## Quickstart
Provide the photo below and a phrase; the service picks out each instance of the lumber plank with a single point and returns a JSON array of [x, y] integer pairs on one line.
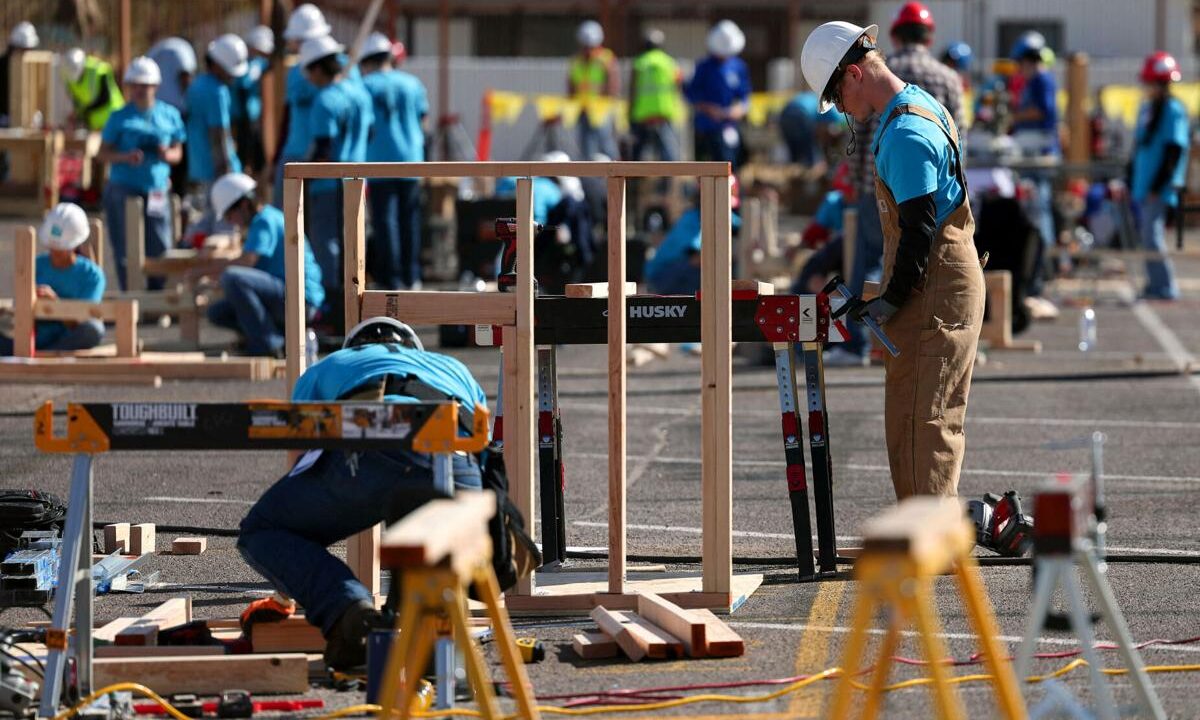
[[79, 310], [616, 386], [94, 249], [436, 529], [36, 376], [294, 313], [675, 620], [658, 643], [594, 646], [109, 631], [208, 674], [253, 368], [581, 169], [189, 545], [614, 626], [126, 330], [595, 290], [116, 538], [519, 360], [431, 307], [144, 630], [758, 286], [719, 639], [25, 291], [178, 261], [141, 651], [135, 245], [287, 637]]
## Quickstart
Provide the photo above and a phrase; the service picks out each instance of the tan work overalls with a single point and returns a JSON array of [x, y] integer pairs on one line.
[[937, 332]]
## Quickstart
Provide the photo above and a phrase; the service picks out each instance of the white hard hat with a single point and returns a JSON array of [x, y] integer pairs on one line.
[[64, 228], [376, 44], [23, 36], [375, 329], [726, 39], [229, 51], [143, 71], [823, 52], [305, 23], [556, 156], [589, 34], [227, 190], [261, 39], [72, 64], [319, 47]]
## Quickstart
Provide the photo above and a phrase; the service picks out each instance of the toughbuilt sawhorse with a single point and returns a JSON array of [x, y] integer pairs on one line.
[[94, 428], [783, 320]]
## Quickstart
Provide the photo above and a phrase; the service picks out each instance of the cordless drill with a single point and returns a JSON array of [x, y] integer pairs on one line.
[[506, 233]]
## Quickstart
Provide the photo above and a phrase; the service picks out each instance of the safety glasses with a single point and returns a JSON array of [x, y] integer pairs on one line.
[[833, 89]]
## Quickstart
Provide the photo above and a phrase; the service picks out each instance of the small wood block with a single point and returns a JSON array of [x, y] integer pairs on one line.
[[755, 286], [141, 539], [189, 545], [144, 630], [594, 646], [292, 635], [108, 632], [635, 636], [595, 290], [719, 639], [675, 620], [871, 290], [116, 538]]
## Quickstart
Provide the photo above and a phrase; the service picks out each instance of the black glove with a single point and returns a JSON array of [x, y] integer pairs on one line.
[[877, 309]]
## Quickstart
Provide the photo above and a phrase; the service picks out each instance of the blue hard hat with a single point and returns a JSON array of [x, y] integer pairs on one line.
[[1029, 45], [958, 54]]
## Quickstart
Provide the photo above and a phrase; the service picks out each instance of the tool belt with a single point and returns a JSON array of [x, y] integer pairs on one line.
[[377, 388]]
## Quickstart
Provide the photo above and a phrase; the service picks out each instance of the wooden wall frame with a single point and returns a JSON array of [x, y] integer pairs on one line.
[[515, 312]]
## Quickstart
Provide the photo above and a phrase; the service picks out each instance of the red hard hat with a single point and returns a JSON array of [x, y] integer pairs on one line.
[[913, 13], [1160, 67], [399, 52]]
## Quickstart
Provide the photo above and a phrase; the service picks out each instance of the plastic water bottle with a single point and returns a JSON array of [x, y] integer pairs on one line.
[[310, 348], [1087, 329]]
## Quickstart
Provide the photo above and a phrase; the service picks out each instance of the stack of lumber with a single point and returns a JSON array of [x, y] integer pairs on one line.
[[659, 630]]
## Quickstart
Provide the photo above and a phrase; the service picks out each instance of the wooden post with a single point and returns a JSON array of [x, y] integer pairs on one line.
[[25, 291], [53, 149], [362, 550], [849, 238], [95, 244], [1079, 148], [616, 385], [127, 322], [716, 375], [519, 368], [270, 88], [293, 262], [135, 244], [125, 31]]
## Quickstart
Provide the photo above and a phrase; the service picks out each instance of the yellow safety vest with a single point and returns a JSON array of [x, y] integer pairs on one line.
[[96, 76], [655, 74], [589, 74]]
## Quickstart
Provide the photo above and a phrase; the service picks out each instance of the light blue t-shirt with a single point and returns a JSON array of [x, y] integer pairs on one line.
[[340, 372], [681, 240], [84, 280], [299, 94], [913, 156], [1172, 129], [264, 238], [546, 194], [208, 108], [341, 113], [399, 102], [247, 91], [831, 211], [130, 128]]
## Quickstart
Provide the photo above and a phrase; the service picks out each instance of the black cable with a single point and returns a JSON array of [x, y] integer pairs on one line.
[[190, 529]]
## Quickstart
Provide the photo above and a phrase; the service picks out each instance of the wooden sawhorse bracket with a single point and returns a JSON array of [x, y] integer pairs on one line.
[[996, 330], [905, 548], [33, 157], [515, 312]]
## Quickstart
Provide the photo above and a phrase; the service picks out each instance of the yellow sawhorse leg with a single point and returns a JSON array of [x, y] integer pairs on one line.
[[919, 600], [1004, 680], [864, 613]]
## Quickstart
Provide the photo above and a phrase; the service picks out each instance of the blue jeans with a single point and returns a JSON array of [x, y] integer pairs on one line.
[[286, 535], [394, 252], [1160, 273], [158, 230], [277, 189], [711, 145], [1042, 216], [323, 213], [593, 139], [254, 305], [799, 131], [659, 137], [868, 265], [82, 336]]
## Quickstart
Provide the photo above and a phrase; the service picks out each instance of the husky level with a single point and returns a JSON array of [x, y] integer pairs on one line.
[[94, 428], [758, 316]]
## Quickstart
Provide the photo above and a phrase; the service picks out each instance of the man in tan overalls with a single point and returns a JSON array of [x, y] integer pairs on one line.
[[933, 294]]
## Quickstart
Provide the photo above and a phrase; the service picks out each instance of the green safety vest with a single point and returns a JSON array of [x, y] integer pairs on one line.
[[655, 74], [589, 74], [96, 76]]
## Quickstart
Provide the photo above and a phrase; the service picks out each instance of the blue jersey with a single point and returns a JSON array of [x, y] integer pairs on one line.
[[341, 114], [340, 372], [264, 238], [1150, 143], [247, 91], [913, 156], [208, 109], [399, 102], [83, 280], [133, 129], [1041, 92], [720, 81], [299, 95]]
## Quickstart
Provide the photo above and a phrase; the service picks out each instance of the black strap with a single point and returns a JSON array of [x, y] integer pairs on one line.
[[909, 109], [409, 386]]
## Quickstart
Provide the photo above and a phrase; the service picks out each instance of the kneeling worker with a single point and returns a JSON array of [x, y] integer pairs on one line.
[[255, 282], [64, 274], [331, 495], [933, 293]]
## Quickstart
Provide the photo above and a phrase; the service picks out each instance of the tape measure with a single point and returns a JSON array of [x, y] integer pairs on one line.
[[532, 650]]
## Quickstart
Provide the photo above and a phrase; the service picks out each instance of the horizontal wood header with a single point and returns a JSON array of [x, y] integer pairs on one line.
[[311, 170]]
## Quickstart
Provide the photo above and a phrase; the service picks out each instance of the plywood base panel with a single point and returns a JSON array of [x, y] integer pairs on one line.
[[557, 596]]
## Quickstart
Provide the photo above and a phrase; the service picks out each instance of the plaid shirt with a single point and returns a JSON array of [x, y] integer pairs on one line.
[[912, 64]]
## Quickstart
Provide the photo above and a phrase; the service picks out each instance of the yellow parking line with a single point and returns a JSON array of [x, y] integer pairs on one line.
[[813, 652]]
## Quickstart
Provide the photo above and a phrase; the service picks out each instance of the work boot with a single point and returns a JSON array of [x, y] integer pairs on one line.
[[346, 643]]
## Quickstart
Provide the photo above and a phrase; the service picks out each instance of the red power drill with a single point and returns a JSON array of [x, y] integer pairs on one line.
[[506, 233]]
